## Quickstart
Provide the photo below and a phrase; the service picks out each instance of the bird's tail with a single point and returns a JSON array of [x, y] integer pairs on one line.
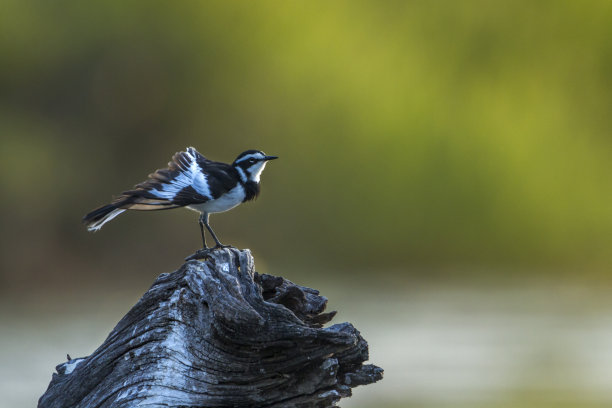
[[100, 216]]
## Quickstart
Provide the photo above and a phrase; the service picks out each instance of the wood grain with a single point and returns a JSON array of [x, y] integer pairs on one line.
[[215, 333]]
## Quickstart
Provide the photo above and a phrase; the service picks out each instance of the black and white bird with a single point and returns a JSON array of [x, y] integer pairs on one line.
[[192, 181]]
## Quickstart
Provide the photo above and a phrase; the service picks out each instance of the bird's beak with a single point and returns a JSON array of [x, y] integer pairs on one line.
[[270, 158]]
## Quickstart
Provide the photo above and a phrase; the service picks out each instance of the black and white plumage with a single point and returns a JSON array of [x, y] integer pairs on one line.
[[192, 181]]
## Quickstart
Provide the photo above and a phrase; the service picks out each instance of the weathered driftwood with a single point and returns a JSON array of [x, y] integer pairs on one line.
[[216, 333]]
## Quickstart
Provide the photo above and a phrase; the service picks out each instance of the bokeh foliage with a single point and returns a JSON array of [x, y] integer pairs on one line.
[[411, 133]]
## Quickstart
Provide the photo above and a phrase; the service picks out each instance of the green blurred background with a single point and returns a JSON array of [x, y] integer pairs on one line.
[[450, 160]]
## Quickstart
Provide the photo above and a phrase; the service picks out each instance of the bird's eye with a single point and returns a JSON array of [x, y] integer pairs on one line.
[[252, 160]]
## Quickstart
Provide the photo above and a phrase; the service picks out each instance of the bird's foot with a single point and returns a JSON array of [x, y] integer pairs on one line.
[[206, 252], [200, 254], [218, 246]]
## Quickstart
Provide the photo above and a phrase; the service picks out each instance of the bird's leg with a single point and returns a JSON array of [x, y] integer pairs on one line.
[[205, 252], [201, 222], [212, 233]]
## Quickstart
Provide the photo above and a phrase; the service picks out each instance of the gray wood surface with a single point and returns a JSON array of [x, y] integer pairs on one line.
[[215, 333]]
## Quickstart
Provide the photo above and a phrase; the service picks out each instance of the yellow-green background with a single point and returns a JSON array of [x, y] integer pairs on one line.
[[430, 144]]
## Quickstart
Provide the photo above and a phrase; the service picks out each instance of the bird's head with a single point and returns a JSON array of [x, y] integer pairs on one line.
[[250, 164]]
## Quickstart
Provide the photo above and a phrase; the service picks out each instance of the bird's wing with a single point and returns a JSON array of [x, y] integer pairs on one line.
[[220, 177], [183, 183]]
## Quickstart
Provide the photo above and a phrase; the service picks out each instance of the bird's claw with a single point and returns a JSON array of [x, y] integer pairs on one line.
[[200, 254], [205, 252]]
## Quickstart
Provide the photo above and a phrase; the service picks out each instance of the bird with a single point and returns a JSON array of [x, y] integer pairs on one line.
[[194, 182]]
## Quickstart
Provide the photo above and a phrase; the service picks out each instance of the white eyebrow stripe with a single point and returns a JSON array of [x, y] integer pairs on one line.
[[251, 156]]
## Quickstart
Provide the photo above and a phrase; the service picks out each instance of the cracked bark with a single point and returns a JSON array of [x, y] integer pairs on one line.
[[215, 333]]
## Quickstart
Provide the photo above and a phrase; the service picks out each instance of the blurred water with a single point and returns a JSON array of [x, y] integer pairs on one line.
[[439, 347], [494, 347]]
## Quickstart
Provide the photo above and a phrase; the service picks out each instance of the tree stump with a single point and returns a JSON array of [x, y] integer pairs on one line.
[[215, 333]]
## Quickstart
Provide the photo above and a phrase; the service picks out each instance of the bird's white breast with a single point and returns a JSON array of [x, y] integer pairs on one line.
[[226, 202]]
